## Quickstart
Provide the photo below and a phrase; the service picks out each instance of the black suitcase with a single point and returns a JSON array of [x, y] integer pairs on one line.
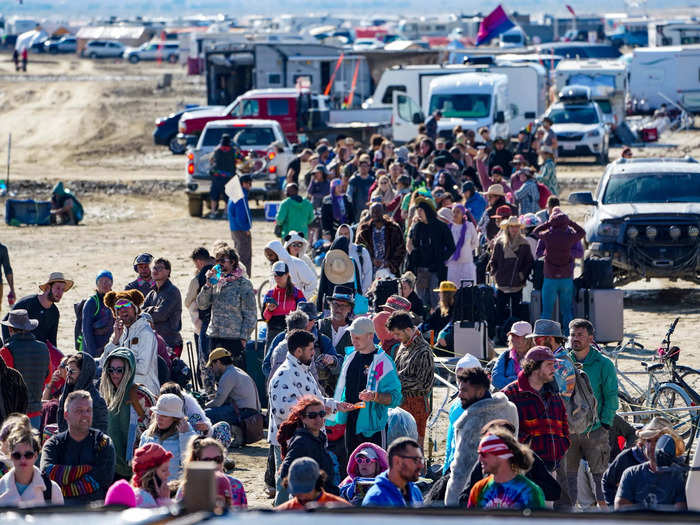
[[465, 301], [598, 273], [384, 289], [485, 307]]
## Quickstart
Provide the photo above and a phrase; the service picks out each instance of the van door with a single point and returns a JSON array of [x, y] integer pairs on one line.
[[406, 116]]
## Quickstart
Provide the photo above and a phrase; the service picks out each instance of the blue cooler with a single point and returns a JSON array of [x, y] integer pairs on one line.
[[271, 209], [28, 211]]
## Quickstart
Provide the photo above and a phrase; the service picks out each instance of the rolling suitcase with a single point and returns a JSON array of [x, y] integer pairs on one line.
[[536, 307], [603, 308], [471, 338]]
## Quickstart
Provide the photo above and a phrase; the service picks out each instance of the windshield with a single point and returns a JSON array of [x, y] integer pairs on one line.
[[604, 106], [652, 187], [511, 39], [462, 106], [572, 115], [247, 137]]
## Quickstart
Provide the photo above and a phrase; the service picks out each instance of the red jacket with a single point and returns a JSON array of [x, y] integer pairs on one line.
[[285, 303], [543, 422]]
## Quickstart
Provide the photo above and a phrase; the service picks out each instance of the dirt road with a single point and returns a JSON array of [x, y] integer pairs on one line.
[[74, 119]]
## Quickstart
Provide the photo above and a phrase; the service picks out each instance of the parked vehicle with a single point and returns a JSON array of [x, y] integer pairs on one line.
[[669, 71], [165, 50], [581, 50], [103, 49], [579, 125], [165, 133], [646, 217], [66, 44], [303, 116], [254, 139], [630, 32], [514, 37], [673, 33]]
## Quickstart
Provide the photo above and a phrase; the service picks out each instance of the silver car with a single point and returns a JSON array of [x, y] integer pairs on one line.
[[103, 49]]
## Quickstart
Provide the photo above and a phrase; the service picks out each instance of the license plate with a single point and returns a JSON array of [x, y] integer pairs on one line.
[[568, 147]]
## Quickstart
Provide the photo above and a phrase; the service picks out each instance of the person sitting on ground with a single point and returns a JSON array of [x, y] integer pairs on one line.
[[204, 448], [81, 459], [135, 333], [396, 486], [505, 460], [80, 375], [279, 301], [24, 485], [305, 482], [236, 394], [169, 428], [196, 417], [302, 435], [65, 207], [151, 467], [14, 421], [508, 363], [366, 462], [128, 406]]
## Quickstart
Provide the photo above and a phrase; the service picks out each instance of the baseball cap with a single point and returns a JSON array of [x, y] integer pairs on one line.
[[280, 268], [369, 452], [540, 353], [303, 475], [215, 354], [362, 326], [521, 328]]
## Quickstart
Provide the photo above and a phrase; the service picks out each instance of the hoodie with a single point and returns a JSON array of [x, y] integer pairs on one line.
[[347, 486], [294, 236], [303, 276], [385, 494], [559, 234], [325, 287], [86, 381], [62, 195], [296, 214]]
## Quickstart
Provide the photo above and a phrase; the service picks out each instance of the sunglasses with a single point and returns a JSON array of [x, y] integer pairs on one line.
[[221, 261], [314, 415], [27, 455], [215, 459], [280, 274], [297, 244], [115, 370], [416, 459], [123, 304], [361, 460]]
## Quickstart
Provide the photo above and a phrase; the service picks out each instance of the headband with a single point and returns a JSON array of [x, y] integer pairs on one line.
[[491, 444]]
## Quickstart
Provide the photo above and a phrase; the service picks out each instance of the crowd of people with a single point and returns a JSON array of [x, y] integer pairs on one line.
[[346, 360]]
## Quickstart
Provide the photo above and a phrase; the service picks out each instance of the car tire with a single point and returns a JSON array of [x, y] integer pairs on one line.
[[195, 205], [93, 55], [133, 59], [176, 147]]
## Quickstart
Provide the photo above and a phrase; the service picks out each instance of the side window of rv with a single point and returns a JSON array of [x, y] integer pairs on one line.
[[274, 78], [250, 108], [389, 93], [278, 107]]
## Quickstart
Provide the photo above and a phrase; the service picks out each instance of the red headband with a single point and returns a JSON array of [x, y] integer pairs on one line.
[[491, 444]]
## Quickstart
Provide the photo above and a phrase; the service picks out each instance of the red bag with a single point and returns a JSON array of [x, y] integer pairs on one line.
[[544, 195]]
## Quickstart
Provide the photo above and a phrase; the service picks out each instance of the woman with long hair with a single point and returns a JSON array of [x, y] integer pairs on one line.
[[209, 449], [336, 209], [279, 301], [460, 266], [169, 428], [151, 466], [24, 485], [302, 435], [127, 407], [384, 191]]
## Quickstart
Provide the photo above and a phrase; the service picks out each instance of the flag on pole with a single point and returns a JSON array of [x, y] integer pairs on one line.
[[571, 10], [495, 23]]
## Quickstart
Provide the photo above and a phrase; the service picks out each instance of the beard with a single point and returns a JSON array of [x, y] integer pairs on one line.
[[466, 403]]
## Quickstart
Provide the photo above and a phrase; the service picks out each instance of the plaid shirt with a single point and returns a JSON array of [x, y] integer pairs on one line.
[[543, 423]]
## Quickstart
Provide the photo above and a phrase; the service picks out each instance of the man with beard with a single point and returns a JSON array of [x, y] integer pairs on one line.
[[236, 394], [144, 283], [42, 307], [164, 303], [396, 487], [480, 407], [336, 325]]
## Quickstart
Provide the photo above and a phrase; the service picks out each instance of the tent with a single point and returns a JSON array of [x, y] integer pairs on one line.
[[28, 39]]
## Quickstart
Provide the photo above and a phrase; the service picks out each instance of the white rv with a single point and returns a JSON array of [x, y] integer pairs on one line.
[[607, 80], [678, 33], [527, 101], [672, 71]]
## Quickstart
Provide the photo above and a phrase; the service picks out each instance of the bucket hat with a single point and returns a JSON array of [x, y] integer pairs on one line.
[[19, 319], [546, 328], [169, 405]]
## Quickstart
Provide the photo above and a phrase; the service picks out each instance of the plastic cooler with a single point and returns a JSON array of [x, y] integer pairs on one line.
[[29, 211], [271, 209]]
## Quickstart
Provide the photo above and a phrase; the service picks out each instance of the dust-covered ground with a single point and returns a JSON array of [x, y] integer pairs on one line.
[[90, 123]]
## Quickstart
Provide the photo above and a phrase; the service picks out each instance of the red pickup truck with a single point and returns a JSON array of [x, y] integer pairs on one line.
[[304, 117]]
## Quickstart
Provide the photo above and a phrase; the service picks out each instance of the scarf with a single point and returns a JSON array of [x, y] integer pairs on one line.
[[462, 233], [338, 202], [516, 363], [228, 278]]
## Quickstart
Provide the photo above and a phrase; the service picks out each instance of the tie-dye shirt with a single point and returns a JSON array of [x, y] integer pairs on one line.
[[518, 493]]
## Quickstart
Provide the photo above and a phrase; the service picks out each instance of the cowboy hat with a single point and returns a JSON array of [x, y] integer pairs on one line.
[[496, 189], [510, 221], [343, 293], [446, 286], [56, 277], [19, 319], [338, 267]]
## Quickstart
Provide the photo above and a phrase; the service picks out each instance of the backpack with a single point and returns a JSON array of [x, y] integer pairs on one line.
[[78, 330], [582, 407]]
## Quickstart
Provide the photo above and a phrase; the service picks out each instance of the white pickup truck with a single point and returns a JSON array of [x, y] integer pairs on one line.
[[257, 141]]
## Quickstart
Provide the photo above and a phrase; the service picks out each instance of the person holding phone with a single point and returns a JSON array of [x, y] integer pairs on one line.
[[279, 301], [151, 467]]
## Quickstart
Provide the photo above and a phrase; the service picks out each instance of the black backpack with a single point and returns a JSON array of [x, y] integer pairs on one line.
[[598, 273]]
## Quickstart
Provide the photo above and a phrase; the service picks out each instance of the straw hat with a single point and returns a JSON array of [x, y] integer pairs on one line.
[[511, 221], [496, 189], [56, 277], [338, 267]]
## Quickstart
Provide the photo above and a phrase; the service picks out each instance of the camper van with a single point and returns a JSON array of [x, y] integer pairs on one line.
[[607, 80], [527, 102], [659, 75], [680, 33], [514, 37]]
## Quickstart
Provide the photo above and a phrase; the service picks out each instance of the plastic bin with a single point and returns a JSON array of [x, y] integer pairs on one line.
[[29, 211], [271, 209]]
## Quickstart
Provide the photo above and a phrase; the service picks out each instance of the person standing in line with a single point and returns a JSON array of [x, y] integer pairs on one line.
[[7, 268], [25, 59], [223, 169], [241, 224], [144, 283], [164, 304], [431, 124], [295, 213], [97, 320]]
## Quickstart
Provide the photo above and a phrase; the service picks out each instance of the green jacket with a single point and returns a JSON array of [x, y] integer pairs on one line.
[[296, 214], [603, 376]]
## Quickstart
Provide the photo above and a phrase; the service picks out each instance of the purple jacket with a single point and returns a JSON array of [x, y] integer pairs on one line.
[[559, 235]]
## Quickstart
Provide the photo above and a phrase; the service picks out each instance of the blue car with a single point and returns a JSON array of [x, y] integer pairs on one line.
[[166, 130], [645, 217]]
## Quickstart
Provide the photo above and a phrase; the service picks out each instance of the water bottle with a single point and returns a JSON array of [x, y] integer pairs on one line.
[[216, 278]]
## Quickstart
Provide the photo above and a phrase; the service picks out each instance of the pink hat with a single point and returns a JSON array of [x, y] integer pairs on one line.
[[120, 493], [380, 328], [521, 328]]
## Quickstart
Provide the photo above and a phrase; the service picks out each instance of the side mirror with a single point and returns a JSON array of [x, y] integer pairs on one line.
[[530, 115], [500, 117], [582, 197], [417, 118]]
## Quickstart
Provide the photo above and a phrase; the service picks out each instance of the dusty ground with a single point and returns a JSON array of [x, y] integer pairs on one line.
[[74, 119]]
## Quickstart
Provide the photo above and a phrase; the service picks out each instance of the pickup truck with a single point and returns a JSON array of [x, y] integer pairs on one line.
[[264, 151], [304, 117]]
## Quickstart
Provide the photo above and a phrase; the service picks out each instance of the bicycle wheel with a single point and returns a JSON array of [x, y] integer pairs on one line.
[[690, 376], [262, 290], [670, 395]]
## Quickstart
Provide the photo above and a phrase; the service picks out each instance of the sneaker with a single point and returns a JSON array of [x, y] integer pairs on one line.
[[271, 492], [212, 215]]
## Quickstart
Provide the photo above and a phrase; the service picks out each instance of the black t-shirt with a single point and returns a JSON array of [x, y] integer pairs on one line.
[[295, 166], [356, 376], [47, 317]]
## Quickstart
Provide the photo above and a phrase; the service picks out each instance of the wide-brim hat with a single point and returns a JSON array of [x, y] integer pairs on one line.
[[655, 427], [343, 293], [56, 277], [446, 286], [510, 221], [338, 267], [546, 328], [169, 405], [496, 189], [19, 320]]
